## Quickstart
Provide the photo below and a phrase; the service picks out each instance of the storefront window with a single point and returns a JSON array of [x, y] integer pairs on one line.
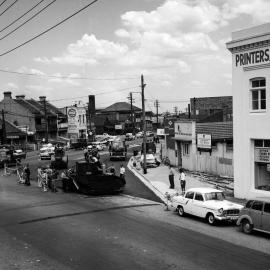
[[262, 164], [258, 94]]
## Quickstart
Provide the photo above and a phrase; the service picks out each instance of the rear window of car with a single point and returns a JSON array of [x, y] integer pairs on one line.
[[257, 206], [267, 208]]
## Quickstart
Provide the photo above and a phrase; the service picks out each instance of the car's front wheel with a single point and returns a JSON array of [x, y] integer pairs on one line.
[[180, 211], [211, 219], [246, 226]]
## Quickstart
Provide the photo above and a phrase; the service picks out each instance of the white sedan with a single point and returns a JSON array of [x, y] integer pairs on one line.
[[151, 160], [206, 203]]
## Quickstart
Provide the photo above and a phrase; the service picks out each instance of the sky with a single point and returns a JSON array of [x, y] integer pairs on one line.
[[178, 45]]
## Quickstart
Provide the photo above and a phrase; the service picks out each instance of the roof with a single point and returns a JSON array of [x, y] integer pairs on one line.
[[37, 107], [218, 130], [11, 129], [204, 189], [120, 107]]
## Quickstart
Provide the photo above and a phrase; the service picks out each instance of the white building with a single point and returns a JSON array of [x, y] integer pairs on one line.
[[77, 126], [250, 50]]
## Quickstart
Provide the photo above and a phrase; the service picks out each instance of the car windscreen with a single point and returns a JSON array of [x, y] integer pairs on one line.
[[219, 196]]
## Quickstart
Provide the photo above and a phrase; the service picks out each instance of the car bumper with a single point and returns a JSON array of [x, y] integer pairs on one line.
[[227, 218]]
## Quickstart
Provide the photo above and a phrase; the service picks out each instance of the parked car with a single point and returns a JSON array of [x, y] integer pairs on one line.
[[151, 161], [99, 145], [207, 203], [20, 154], [255, 216]]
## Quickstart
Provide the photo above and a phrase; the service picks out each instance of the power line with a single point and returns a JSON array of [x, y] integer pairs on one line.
[[66, 76], [97, 94], [3, 3], [21, 16], [8, 7], [19, 26], [49, 29]]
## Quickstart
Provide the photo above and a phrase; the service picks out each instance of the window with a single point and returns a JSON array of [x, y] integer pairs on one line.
[[185, 149], [267, 208], [190, 195], [198, 197], [258, 94], [257, 206], [248, 204]]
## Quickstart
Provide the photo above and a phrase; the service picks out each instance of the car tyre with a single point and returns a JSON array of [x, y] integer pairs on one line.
[[180, 211], [246, 226], [211, 219]]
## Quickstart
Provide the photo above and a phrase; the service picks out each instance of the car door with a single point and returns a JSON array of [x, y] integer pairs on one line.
[[266, 217], [256, 214], [197, 205], [188, 202]]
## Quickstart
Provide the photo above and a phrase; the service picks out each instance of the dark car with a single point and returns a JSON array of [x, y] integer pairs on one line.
[[255, 216]]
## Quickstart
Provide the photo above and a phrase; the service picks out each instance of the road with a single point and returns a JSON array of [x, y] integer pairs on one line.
[[133, 187], [44, 230]]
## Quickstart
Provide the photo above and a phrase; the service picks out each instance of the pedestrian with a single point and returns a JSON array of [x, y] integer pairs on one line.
[[85, 152], [39, 177], [65, 179], [122, 171], [182, 180], [171, 177], [27, 175]]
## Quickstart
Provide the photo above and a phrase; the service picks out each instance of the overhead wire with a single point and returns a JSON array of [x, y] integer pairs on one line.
[[3, 2], [28, 20], [8, 7], [67, 76], [49, 29], [29, 10]]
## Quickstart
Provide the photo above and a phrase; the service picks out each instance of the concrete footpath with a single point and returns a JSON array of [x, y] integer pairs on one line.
[[157, 179]]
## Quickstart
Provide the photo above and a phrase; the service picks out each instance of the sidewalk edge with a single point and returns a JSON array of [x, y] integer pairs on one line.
[[147, 183]]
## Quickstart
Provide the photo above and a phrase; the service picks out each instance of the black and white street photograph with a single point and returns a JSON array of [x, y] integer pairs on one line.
[[134, 135]]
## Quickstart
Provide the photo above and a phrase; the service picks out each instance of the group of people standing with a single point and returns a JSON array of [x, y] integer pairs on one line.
[[46, 178], [182, 179]]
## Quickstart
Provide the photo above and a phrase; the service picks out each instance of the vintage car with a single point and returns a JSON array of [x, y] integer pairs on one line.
[[207, 203], [46, 152], [255, 216], [20, 154], [151, 161]]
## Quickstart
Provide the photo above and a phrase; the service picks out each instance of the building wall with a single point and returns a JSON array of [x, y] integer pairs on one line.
[[20, 114], [248, 125]]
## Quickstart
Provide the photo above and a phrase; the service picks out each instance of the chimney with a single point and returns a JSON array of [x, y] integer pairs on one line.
[[7, 95], [42, 98], [20, 97]]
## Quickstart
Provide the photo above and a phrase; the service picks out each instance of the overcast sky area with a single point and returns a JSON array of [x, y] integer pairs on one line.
[[178, 45]]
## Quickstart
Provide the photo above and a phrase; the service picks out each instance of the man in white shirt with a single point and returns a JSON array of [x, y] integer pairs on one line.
[[122, 171]]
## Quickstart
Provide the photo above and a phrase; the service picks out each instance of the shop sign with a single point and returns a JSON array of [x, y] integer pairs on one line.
[[262, 154], [252, 58], [118, 127], [183, 131], [12, 137], [72, 112], [160, 132], [204, 141]]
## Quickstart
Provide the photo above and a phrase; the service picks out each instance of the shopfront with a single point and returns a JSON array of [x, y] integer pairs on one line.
[[250, 50]]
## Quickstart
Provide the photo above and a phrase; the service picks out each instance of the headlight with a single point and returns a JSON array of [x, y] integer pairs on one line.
[[220, 211]]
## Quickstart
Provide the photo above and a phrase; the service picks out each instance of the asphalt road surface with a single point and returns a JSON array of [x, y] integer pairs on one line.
[[44, 230]]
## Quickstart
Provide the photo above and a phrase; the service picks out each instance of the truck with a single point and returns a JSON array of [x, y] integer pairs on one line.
[[118, 149]]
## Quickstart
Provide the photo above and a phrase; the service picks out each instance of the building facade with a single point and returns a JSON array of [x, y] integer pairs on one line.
[[250, 50]]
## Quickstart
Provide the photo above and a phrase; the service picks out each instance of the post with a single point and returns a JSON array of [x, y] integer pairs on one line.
[[4, 134], [144, 126], [157, 105], [131, 112], [43, 99]]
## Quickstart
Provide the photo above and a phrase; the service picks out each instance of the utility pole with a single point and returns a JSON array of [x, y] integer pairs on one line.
[[144, 126], [157, 105], [131, 111], [43, 98], [4, 134]]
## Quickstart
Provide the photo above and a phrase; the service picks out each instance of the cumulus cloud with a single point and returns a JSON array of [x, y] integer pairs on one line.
[[12, 85], [24, 69], [70, 79]]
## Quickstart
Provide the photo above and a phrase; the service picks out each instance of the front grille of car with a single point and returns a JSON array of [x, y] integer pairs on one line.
[[232, 212]]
